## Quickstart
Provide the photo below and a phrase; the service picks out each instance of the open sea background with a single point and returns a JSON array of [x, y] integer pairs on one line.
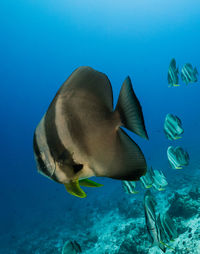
[[41, 43]]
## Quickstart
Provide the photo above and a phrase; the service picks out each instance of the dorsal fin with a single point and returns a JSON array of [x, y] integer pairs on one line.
[[130, 110], [93, 82], [173, 63]]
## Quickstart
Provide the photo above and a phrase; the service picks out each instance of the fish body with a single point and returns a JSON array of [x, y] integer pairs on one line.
[[154, 178], [173, 74], [177, 157], [172, 127], [71, 247], [129, 187], [160, 181], [182, 155], [147, 180], [80, 136], [151, 222], [167, 227], [189, 74]]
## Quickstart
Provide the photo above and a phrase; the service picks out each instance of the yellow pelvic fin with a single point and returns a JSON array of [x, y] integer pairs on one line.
[[177, 137], [166, 245], [148, 186], [179, 167], [89, 183], [74, 189], [135, 192], [176, 85]]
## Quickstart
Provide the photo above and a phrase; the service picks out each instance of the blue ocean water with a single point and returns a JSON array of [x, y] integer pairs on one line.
[[41, 43]]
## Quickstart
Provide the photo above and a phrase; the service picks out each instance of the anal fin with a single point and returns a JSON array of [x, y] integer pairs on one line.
[[128, 160]]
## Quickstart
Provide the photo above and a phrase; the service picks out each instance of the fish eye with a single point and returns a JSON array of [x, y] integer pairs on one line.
[[77, 167]]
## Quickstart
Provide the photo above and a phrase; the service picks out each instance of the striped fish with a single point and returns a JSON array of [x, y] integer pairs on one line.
[[129, 187], [159, 180], [188, 74], [172, 76], [147, 179], [151, 221], [80, 136], [173, 127], [71, 247], [177, 157], [167, 228]]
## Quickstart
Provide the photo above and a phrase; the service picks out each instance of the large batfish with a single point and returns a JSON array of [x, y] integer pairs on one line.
[[80, 135]]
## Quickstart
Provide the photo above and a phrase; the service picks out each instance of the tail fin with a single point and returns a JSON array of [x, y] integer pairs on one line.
[[130, 110]]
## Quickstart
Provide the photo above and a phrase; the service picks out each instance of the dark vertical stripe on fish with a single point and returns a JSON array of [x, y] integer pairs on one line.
[[39, 159], [56, 148]]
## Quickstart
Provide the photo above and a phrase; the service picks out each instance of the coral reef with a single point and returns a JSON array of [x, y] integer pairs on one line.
[[115, 226]]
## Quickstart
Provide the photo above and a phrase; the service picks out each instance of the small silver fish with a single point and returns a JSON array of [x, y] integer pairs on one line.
[[172, 74], [129, 187], [188, 74], [71, 247], [167, 228], [80, 135], [147, 179], [151, 222], [159, 180], [173, 127], [177, 157]]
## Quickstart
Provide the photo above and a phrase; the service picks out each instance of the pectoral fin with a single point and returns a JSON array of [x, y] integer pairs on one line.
[[74, 189], [89, 183]]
